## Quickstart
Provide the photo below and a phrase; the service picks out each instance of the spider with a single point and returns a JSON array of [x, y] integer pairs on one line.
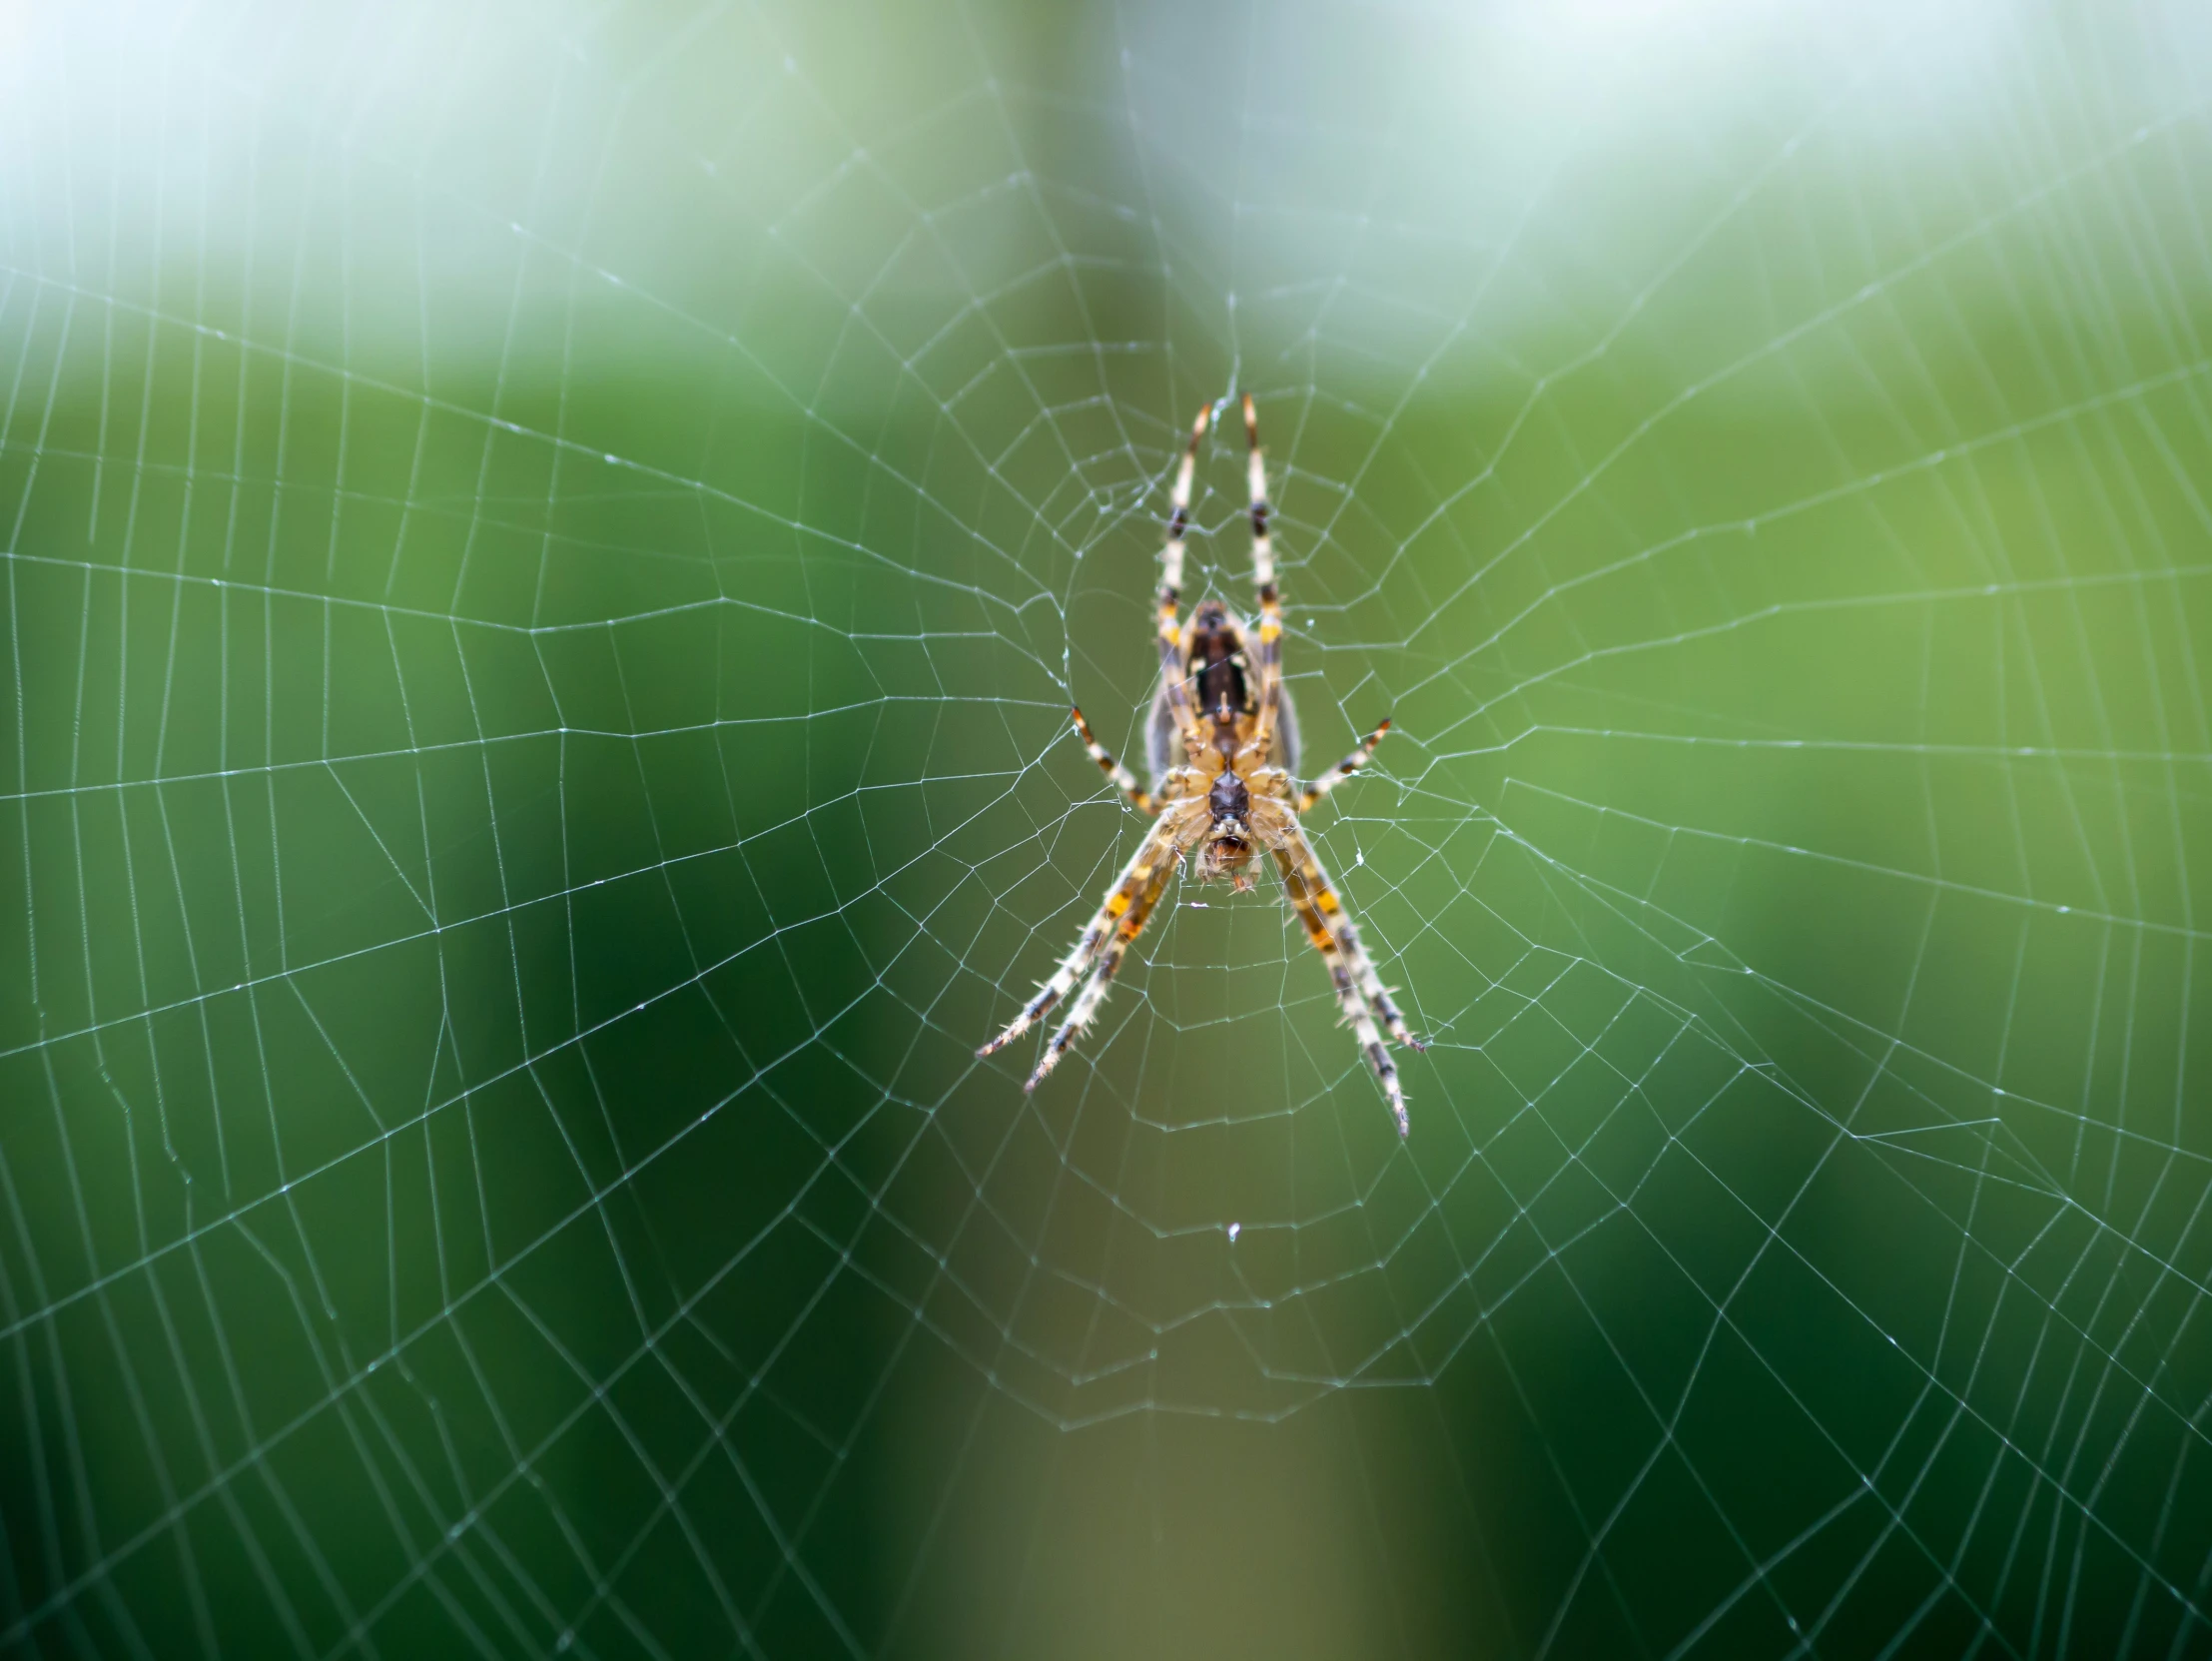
[[1222, 694]]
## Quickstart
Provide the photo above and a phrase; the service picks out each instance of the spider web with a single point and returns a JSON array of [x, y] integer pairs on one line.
[[547, 553]]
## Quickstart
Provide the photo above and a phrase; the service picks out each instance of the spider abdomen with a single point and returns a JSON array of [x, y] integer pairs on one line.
[[1163, 742]]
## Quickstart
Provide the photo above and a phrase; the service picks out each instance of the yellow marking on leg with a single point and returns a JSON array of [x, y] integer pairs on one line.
[[1350, 972]]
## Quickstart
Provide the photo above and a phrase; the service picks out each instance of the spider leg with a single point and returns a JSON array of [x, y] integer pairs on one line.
[[1123, 780], [1102, 975], [1161, 847], [1331, 906], [1173, 671], [1357, 985], [1267, 659], [1342, 770]]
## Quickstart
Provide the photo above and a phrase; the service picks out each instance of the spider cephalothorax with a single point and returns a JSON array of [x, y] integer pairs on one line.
[[1222, 703], [1229, 840]]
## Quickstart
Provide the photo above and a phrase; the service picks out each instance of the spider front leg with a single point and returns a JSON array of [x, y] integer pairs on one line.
[[1172, 666], [1361, 993], [1102, 975], [1162, 846]]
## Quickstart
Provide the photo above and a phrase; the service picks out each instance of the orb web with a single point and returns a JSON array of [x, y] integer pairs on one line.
[[547, 559]]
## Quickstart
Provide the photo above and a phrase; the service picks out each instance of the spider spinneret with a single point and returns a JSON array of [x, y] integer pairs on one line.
[[1222, 702]]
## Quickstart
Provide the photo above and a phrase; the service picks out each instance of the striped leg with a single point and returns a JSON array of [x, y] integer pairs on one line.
[[1123, 780], [1341, 771], [1267, 666], [1355, 954], [1370, 984], [1357, 985], [1161, 847], [1101, 977], [1172, 667], [1363, 969]]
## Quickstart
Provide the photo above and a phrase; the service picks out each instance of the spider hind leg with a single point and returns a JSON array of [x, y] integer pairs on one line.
[[1172, 687], [1267, 648]]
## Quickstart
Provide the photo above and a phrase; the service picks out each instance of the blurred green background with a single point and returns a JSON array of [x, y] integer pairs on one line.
[[547, 551]]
